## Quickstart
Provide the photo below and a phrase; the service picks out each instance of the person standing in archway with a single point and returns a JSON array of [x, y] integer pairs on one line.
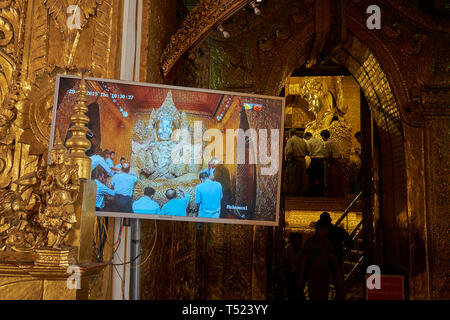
[[316, 168], [334, 173], [295, 152]]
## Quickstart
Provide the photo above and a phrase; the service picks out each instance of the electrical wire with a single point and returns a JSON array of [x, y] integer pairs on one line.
[[116, 246], [153, 247], [120, 234], [106, 239], [142, 251]]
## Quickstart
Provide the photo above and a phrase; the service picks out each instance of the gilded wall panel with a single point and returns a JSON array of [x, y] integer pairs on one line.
[[27, 288], [36, 44], [437, 140]]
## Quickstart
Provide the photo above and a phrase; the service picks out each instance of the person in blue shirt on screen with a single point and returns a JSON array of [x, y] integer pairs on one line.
[[98, 160], [207, 197], [109, 158], [146, 204], [175, 207], [99, 176], [123, 184], [121, 163]]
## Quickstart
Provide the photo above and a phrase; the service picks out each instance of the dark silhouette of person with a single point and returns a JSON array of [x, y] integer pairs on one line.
[[293, 255], [318, 256], [338, 237]]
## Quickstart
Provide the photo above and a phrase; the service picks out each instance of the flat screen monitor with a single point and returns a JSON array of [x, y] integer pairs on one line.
[[178, 153]]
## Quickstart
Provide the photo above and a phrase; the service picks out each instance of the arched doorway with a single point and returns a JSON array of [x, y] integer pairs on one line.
[[260, 54], [384, 152]]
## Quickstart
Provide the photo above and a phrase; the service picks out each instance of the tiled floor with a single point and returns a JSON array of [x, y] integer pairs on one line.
[[301, 220]]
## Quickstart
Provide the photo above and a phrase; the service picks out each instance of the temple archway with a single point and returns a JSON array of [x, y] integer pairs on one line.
[[261, 53]]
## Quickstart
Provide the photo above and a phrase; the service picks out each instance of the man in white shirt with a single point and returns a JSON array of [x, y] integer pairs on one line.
[[295, 152], [208, 195], [123, 184], [176, 207], [211, 167], [146, 204], [316, 168], [335, 184]]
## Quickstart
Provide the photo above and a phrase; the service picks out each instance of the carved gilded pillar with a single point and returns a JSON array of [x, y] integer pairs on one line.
[[36, 44]]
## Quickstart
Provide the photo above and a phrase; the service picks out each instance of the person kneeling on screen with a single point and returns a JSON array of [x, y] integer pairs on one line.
[[146, 204], [175, 207], [208, 195], [99, 175]]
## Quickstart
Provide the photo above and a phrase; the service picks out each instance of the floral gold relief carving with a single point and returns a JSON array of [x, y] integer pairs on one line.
[[59, 191], [37, 199], [43, 207], [196, 26]]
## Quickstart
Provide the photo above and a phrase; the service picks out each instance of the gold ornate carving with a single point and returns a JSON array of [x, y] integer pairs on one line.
[[41, 213], [59, 190], [200, 21], [35, 112], [35, 45], [64, 257], [6, 146]]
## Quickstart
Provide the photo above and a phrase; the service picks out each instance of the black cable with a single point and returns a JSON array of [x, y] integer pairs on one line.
[[121, 281], [102, 235], [118, 245], [133, 259]]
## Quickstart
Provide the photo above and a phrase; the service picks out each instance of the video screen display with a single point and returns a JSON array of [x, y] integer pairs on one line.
[[176, 153]]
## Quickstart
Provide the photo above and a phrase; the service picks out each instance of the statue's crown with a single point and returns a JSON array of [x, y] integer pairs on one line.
[[167, 111]]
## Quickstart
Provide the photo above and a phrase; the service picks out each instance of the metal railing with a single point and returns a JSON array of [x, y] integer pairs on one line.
[[354, 234], [355, 267], [347, 210]]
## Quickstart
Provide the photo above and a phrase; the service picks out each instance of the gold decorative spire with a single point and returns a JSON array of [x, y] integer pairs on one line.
[[58, 145], [78, 143]]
